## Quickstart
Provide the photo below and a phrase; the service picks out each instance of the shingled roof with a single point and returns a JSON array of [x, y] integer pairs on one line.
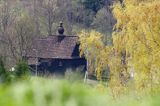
[[59, 47]]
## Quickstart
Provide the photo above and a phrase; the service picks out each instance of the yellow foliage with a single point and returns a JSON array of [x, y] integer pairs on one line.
[[136, 47], [91, 46], [138, 33]]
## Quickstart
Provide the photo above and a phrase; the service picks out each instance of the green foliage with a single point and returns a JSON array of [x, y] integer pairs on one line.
[[5, 75], [22, 69], [2, 67], [93, 5], [3, 72], [40, 92], [43, 92]]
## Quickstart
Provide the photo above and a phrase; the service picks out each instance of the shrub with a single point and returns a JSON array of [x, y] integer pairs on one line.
[[5, 75], [22, 69]]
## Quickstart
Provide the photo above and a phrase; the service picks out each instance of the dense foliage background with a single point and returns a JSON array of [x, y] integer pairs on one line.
[[23, 20]]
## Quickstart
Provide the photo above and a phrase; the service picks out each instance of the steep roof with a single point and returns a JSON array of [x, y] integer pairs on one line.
[[60, 47]]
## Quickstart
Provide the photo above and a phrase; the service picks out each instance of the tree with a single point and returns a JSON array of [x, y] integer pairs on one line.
[[24, 32], [104, 22], [8, 16], [134, 55], [137, 34], [48, 13], [93, 5], [91, 46]]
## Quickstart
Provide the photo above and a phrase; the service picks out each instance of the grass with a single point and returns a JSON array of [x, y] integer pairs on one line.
[[50, 92]]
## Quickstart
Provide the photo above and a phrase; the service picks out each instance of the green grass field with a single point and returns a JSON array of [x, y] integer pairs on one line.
[[50, 92]]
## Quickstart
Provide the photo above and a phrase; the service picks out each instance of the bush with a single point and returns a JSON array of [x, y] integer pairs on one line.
[[22, 69], [5, 75]]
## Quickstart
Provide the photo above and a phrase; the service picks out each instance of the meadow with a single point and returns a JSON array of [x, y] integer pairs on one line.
[[58, 92]]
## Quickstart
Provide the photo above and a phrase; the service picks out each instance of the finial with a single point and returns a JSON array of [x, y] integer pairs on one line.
[[61, 23], [61, 29]]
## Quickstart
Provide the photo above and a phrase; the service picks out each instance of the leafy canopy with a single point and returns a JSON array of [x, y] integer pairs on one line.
[[135, 54]]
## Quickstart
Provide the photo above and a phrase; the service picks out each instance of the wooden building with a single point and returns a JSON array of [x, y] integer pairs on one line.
[[55, 54]]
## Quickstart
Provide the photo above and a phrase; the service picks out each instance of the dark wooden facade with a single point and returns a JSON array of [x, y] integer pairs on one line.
[[59, 66], [55, 54]]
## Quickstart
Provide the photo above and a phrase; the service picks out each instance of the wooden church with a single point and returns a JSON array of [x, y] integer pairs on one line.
[[55, 54]]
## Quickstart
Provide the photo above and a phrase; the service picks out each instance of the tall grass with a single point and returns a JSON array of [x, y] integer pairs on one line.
[[50, 92], [18, 88]]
